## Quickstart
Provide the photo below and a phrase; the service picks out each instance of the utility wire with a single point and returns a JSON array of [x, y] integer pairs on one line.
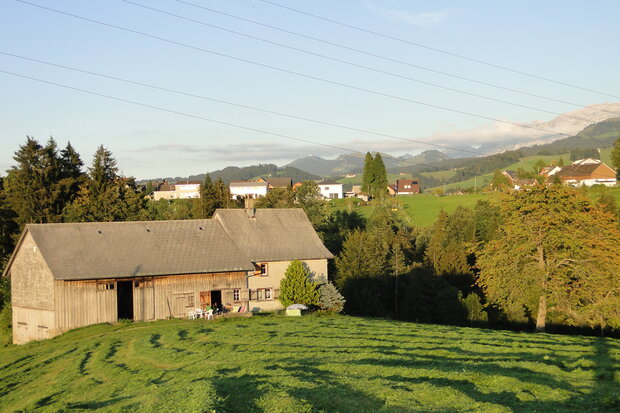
[[386, 58], [349, 63], [189, 115], [446, 52], [272, 112], [346, 85]]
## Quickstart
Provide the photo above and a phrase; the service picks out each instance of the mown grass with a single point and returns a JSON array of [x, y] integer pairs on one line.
[[309, 364]]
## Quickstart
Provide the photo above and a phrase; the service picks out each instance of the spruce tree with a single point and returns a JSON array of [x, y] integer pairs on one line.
[[330, 298], [379, 177], [103, 171], [208, 198], [367, 177], [296, 286]]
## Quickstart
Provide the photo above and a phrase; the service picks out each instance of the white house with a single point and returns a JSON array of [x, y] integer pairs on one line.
[[179, 190], [245, 189], [331, 190]]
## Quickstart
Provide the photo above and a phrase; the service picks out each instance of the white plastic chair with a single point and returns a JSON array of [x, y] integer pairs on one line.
[[199, 313], [191, 315], [210, 315]]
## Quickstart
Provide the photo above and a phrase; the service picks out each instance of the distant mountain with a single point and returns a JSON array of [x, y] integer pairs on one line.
[[354, 163], [510, 137]]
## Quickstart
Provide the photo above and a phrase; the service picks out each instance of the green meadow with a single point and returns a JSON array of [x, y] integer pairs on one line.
[[309, 364]]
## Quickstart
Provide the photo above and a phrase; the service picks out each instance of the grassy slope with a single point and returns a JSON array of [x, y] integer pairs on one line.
[[423, 209], [526, 163], [331, 363], [357, 179]]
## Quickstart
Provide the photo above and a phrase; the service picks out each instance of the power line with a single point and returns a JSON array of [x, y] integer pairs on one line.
[[386, 58], [446, 52], [346, 62], [272, 112], [189, 115], [404, 99]]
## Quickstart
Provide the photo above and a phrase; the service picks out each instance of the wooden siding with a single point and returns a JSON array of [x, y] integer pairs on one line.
[[30, 324], [81, 303]]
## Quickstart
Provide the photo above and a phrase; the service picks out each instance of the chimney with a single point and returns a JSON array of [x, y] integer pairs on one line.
[[249, 207]]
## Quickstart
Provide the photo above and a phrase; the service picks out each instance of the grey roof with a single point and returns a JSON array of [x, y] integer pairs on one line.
[[125, 249], [273, 234], [280, 182]]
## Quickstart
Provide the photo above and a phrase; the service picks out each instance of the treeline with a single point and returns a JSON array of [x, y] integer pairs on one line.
[[536, 258], [234, 173]]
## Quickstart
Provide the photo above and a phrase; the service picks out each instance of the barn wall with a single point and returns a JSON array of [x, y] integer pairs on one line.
[[82, 303], [175, 296], [32, 297]]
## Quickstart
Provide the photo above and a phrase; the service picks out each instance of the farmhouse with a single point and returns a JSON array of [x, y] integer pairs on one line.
[[179, 190], [272, 238], [248, 189], [587, 172], [330, 189], [65, 276], [404, 187], [516, 182]]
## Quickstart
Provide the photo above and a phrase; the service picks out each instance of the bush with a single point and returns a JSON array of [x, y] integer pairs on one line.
[[296, 287], [475, 309], [330, 299]]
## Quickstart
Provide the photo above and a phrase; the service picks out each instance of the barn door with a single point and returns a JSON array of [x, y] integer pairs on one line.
[[144, 300]]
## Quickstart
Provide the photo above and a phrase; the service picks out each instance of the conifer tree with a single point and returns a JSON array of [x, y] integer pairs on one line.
[[367, 174], [222, 194], [103, 171], [208, 198], [379, 177], [296, 286]]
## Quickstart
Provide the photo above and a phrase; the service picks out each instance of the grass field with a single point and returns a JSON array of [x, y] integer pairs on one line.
[[423, 209], [357, 179], [309, 364]]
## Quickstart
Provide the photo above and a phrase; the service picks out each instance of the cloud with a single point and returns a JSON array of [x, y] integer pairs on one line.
[[424, 19]]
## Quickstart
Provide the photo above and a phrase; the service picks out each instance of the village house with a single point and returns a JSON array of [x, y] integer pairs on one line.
[[272, 238], [587, 172], [330, 189], [248, 189], [516, 182], [404, 187], [65, 276], [179, 190]]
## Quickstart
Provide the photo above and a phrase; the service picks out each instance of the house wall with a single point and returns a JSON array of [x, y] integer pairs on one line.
[[253, 191], [328, 190], [157, 195], [32, 296], [276, 270], [187, 191]]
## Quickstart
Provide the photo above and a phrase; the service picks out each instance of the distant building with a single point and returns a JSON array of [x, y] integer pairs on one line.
[[248, 189], [179, 190], [331, 189], [405, 187], [516, 182], [587, 172], [282, 182]]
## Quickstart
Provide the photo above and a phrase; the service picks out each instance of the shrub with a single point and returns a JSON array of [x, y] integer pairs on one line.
[[475, 309], [296, 287], [330, 299]]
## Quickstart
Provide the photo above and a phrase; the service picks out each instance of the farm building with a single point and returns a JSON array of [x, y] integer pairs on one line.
[[65, 276]]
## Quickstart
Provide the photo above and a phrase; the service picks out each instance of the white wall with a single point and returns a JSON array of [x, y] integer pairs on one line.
[[328, 190]]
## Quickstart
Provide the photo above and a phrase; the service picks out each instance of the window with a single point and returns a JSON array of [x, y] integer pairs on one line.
[[268, 294], [264, 270], [259, 294], [407, 186], [236, 294], [105, 286]]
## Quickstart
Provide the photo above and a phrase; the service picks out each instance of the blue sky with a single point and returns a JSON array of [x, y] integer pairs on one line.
[[571, 41]]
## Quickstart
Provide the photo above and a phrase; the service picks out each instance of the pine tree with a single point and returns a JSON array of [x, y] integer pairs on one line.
[[330, 298], [8, 226], [70, 163], [103, 172], [367, 177], [379, 177], [296, 286], [222, 194], [208, 198]]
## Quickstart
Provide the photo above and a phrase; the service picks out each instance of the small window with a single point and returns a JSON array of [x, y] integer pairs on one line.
[[264, 270], [236, 294], [327, 188], [105, 286], [259, 294], [268, 294], [407, 186]]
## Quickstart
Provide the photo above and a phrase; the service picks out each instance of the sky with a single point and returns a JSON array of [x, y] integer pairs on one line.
[[206, 57]]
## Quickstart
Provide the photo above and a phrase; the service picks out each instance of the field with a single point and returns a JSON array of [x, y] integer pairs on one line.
[[423, 209], [357, 179], [309, 364]]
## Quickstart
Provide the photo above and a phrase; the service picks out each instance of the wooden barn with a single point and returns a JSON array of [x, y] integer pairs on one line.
[[65, 276]]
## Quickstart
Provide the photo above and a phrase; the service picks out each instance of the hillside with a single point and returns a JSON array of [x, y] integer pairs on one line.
[[309, 364]]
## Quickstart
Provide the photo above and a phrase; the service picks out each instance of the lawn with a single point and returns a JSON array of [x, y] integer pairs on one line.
[[309, 364], [423, 209]]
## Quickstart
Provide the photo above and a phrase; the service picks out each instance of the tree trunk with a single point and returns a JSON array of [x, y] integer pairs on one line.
[[542, 314], [541, 318]]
